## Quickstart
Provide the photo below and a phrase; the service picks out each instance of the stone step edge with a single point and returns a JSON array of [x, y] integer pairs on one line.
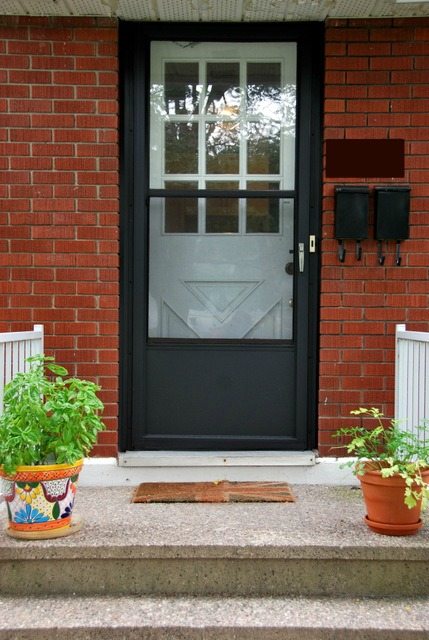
[[211, 577], [304, 618], [73, 549]]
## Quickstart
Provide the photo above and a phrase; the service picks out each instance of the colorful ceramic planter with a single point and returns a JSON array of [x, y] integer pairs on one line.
[[40, 499]]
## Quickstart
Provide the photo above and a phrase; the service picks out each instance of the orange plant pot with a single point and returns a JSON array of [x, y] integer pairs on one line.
[[384, 499], [40, 499]]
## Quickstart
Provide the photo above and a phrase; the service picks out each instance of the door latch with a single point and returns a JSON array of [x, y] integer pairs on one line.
[[301, 256]]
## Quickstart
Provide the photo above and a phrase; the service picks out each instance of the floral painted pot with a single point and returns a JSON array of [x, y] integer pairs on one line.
[[40, 499]]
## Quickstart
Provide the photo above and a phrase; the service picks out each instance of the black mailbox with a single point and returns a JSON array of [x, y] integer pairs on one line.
[[392, 210], [351, 216]]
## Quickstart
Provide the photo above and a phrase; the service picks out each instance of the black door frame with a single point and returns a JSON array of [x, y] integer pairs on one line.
[[134, 60]]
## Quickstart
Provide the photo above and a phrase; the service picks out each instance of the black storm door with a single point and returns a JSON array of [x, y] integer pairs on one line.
[[220, 191]]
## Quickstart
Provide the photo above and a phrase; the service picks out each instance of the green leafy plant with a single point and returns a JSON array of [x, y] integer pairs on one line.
[[47, 418], [390, 450]]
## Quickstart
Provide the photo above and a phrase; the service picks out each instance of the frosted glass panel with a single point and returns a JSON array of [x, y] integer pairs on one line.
[[221, 285]]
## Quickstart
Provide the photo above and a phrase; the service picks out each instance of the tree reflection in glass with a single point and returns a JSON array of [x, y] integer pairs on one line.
[[181, 88]]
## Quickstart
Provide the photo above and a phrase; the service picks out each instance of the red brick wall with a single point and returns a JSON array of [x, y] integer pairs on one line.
[[59, 202], [59, 194], [376, 86]]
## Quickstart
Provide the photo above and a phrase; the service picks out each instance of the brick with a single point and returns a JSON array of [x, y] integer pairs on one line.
[[97, 121], [98, 35], [59, 149], [75, 135], [369, 49], [53, 232], [75, 164], [48, 204], [103, 63], [73, 48], [346, 63], [53, 120], [391, 63], [368, 106], [72, 191], [345, 120], [51, 177], [55, 260], [14, 91], [28, 163], [74, 77], [108, 135], [30, 106], [51, 34], [392, 34], [74, 106], [34, 301], [30, 77], [107, 48], [99, 205], [389, 91], [15, 287], [332, 106], [53, 287], [14, 62], [52, 62], [52, 91], [95, 93], [410, 77], [14, 205], [369, 77], [346, 35], [389, 120], [32, 274], [30, 135], [14, 149], [97, 315], [77, 328], [75, 302]]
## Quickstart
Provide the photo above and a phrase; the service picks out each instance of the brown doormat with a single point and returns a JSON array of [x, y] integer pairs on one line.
[[213, 492]]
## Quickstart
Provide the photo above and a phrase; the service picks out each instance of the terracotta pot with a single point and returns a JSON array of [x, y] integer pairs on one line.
[[384, 500], [40, 499]]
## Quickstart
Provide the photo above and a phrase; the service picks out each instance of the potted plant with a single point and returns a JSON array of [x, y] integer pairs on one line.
[[48, 425], [393, 468]]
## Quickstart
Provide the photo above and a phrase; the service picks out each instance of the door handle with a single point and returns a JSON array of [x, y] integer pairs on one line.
[[301, 256]]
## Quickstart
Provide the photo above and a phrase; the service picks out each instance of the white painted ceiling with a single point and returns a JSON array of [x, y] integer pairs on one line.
[[218, 10]]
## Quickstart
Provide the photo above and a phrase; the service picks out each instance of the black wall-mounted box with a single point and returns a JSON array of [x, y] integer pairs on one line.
[[351, 213], [392, 209]]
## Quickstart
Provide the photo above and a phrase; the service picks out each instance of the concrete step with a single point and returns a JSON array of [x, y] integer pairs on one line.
[[128, 618], [316, 546], [211, 571]]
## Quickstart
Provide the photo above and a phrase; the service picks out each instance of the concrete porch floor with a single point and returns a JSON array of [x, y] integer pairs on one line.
[[324, 523], [321, 516]]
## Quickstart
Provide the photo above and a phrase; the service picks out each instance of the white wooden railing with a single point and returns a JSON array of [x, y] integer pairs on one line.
[[15, 347], [411, 378]]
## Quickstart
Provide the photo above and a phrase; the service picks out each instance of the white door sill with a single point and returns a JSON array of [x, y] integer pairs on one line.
[[216, 458], [134, 467]]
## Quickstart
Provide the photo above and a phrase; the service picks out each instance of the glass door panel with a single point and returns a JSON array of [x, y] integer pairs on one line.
[[222, 118]]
